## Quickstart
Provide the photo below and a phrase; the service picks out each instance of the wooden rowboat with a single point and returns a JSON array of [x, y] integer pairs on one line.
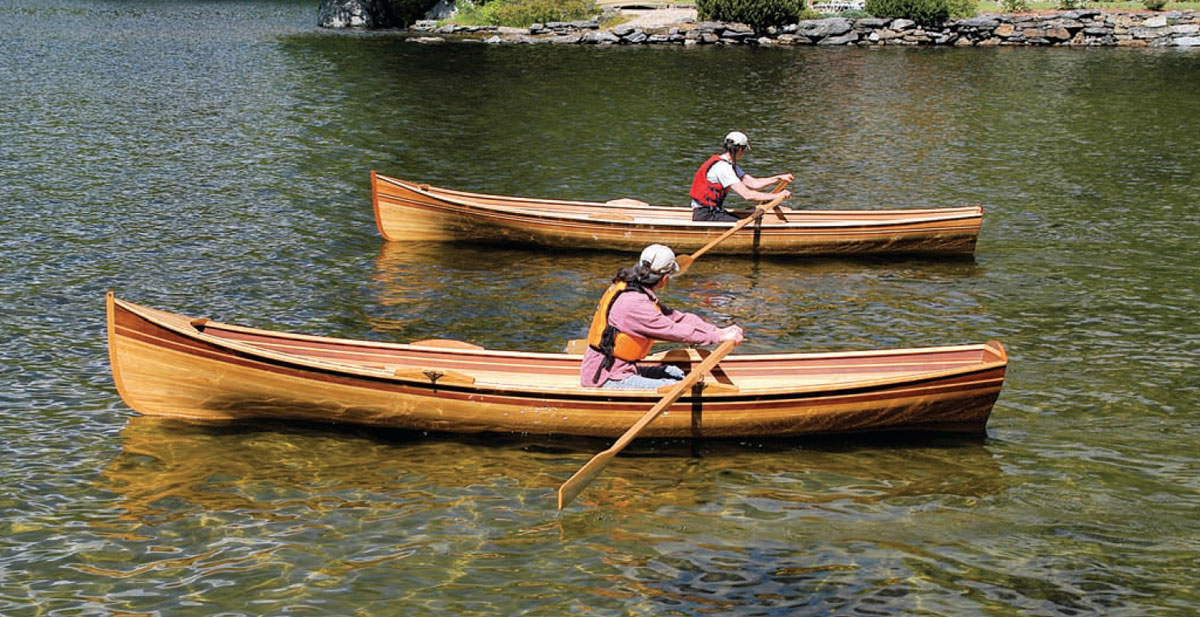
[[166, 364], [420, 212]]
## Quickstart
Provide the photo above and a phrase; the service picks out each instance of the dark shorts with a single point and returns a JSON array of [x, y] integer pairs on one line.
[[719, 215]]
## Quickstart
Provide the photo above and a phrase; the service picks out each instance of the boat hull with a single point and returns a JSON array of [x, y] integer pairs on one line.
[[172, 366], [406, 211]]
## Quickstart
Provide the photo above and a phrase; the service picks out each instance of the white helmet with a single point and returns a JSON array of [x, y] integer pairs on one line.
[[737, 138]]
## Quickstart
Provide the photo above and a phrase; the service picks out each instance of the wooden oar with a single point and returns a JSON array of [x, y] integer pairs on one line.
[[779, 211], [685, 261], [592, 468]]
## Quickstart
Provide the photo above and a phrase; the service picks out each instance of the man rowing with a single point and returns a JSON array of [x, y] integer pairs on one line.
[[629, 318], [721, 173]]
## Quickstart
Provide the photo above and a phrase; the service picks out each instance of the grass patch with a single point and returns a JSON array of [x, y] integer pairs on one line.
[[616, 20], [522, 13]]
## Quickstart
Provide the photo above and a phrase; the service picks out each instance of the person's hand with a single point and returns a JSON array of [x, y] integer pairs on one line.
[[732, 333], [785, 177], [786, 193]]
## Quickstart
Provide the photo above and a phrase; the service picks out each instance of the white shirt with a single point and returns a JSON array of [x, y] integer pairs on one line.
[[724, 172]]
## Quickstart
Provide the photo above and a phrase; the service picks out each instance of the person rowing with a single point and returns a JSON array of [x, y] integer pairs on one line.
[[629, 318], [720, 174]]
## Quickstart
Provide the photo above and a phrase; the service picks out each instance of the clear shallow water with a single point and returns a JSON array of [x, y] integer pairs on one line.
[[212, 158]]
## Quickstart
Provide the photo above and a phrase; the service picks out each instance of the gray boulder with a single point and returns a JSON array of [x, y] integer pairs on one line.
[[353, 14], [844, 39], [979, 22], [821, 28], [444, 9], [600, 37], [872, 22]]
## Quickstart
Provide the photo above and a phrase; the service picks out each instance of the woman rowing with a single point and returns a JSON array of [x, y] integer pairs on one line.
[[630, 318], [721, 173]]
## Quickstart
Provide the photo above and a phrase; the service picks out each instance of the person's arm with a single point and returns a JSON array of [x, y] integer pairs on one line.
[[636, 314], [759, 184], [736, 179], [729, 332], [750, 194]]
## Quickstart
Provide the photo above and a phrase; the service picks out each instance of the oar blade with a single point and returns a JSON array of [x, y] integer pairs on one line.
[[576, 483], [685, 262]]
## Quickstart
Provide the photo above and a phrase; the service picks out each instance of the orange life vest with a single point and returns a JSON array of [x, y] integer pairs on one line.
[[611, 342]]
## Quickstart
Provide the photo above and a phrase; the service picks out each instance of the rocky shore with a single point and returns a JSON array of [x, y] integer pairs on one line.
[[1076, 28]]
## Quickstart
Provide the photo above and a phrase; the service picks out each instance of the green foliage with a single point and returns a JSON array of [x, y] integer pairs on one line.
[[404, 13], [758, 14], [854, 14], [961, 9], [524, 13], [1070, 4], [471, 14], [1155, 5], [924, 12], [521, 13], [1014, 6]]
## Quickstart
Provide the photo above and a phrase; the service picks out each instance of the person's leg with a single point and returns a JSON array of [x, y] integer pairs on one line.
[[714, 215], [648, 378], [662, 371]]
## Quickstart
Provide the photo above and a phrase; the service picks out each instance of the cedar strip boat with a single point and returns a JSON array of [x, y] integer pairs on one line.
[[165, 364], [420, 212]]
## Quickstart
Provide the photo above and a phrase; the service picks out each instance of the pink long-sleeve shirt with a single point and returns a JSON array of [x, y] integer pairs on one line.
[[635, 313]]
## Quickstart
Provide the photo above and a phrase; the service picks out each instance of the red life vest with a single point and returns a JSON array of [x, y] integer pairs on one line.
[[705, 193], [611, 342]]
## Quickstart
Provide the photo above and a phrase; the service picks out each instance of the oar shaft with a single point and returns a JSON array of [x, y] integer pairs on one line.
[[758, 211], [576, 483], [779, 212]]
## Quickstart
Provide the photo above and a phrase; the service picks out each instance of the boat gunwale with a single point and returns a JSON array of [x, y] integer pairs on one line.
[[301, 362]]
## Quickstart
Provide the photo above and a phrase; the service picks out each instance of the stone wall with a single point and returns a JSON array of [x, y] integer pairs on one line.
[[1081, 28]]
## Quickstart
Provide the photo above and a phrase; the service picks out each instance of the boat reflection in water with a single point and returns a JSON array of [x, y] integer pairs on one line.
[[534, 300], [537, 299], [284, 471], [275, 470]]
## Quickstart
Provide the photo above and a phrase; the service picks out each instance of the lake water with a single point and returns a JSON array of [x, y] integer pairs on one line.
[[212, 158]]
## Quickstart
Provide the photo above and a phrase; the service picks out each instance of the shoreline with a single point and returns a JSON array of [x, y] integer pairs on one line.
[[1068, 28]]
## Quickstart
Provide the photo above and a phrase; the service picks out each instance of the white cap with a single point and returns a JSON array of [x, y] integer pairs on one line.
[[737, 138], [661, 259]]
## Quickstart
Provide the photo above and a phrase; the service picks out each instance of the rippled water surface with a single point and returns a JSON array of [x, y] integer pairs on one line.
[[212, 158]]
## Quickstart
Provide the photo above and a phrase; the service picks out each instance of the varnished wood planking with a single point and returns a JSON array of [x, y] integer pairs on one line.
[[164, 365], [407, 211]]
